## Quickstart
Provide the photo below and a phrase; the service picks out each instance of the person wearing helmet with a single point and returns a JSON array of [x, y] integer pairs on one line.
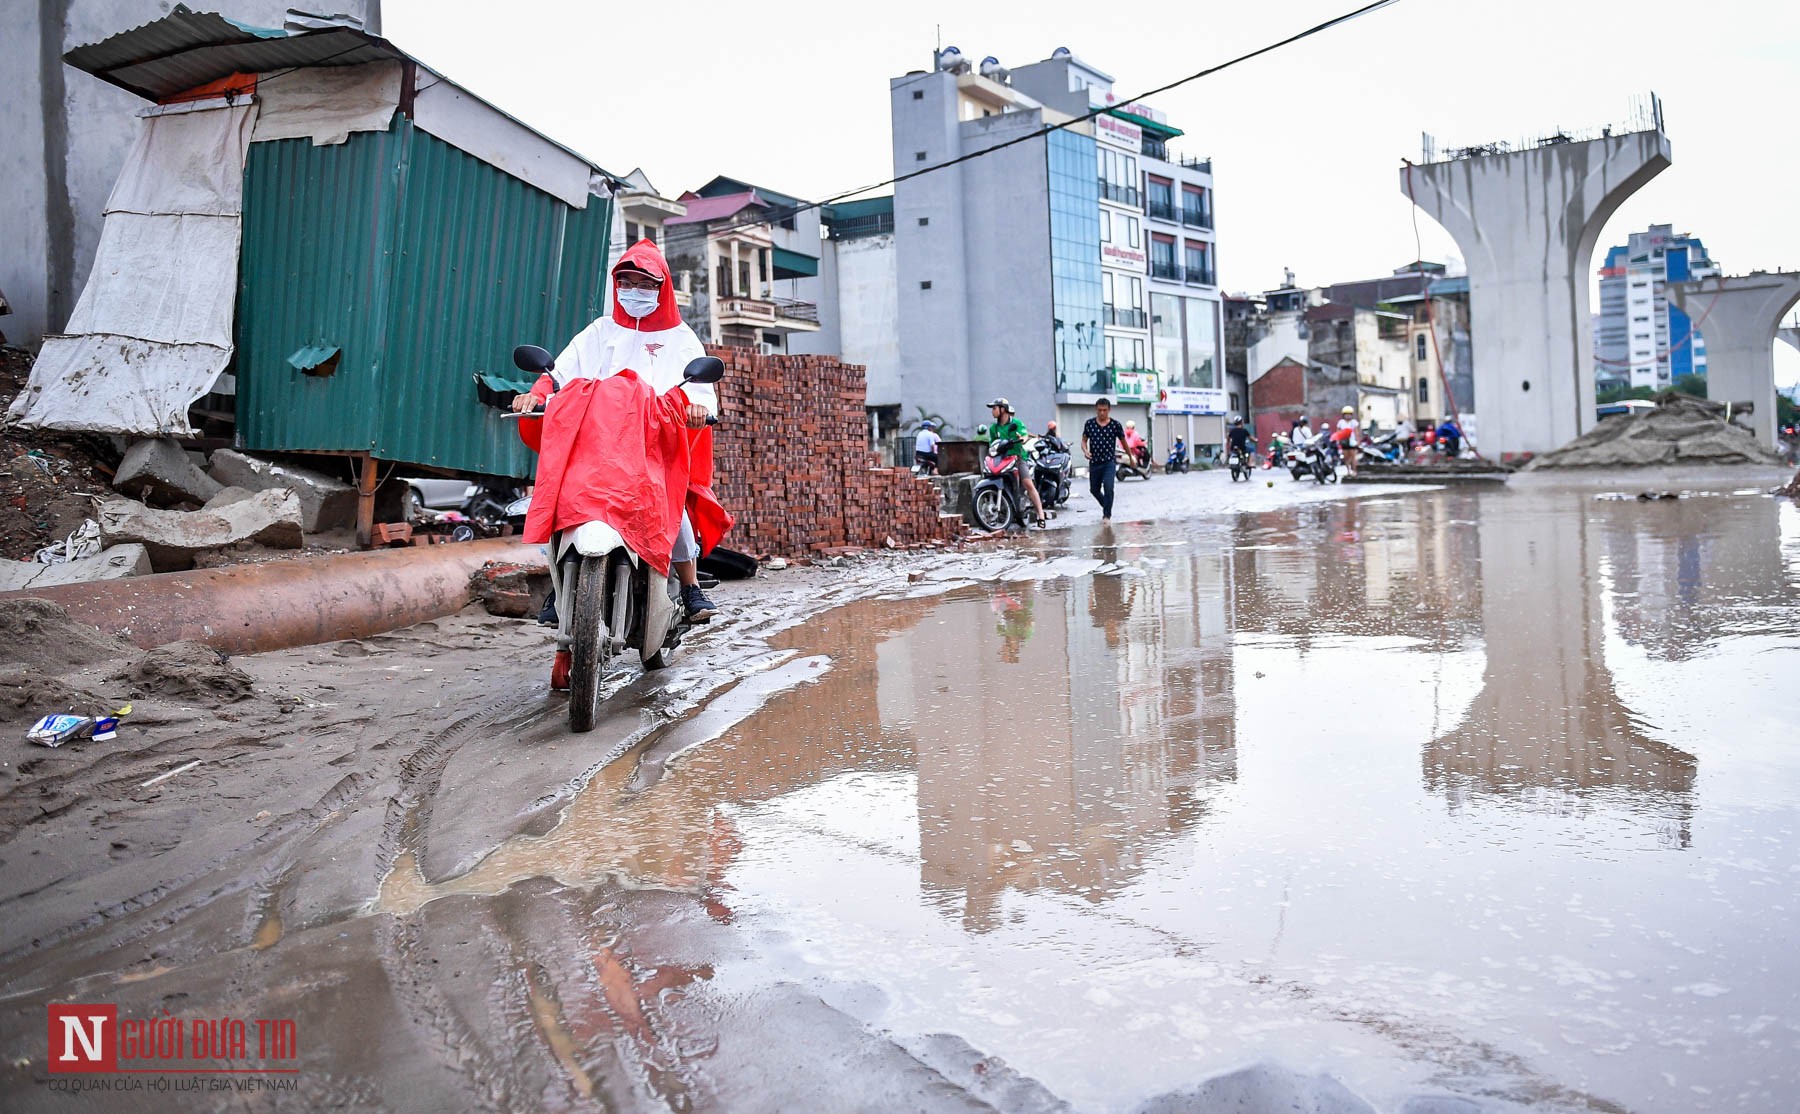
[[1237, 438], [1052, 442], [1346, 436], [1134, 444], [925, 447], [1007, 427]]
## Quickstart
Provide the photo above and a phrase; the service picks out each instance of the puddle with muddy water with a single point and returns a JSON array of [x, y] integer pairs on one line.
[[1486, 795]]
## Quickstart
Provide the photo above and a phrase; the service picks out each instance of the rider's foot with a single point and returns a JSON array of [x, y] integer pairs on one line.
[[699, 608], [559, 671]]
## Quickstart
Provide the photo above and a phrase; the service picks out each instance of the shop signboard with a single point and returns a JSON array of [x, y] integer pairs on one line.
[[1192, 400], [1134, 386]]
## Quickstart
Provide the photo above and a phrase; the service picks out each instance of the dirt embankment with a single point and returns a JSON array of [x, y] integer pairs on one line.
[[1681, 430]]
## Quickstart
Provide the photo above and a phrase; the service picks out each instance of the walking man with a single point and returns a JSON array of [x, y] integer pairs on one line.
[[1100, 441]]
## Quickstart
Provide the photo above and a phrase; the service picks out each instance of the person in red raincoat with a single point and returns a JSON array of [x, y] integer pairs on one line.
[[645, 336]]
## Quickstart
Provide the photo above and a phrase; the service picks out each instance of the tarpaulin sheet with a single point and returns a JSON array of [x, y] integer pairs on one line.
[[328, 103], [152, 331]]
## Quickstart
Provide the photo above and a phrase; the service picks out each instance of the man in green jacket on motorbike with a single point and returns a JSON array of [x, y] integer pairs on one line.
[[1008, 427]]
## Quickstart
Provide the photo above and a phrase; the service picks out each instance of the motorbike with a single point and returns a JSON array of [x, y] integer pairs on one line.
[[1178, 457], [999, 498], [609, 599], [1387, 448], [1241, 463], [1053, 470], [1135, 462], [1312, 457]]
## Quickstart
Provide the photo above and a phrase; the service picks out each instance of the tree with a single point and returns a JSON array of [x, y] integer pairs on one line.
[[1691, 384]]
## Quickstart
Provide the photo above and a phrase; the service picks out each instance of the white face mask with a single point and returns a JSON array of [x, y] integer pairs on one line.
[[638, 303]]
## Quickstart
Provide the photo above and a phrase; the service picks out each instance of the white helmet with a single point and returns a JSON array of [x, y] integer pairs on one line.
[[1131, 425]]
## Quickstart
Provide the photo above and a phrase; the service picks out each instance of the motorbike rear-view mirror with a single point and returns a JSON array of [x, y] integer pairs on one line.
[[705, 369], [529, 357]]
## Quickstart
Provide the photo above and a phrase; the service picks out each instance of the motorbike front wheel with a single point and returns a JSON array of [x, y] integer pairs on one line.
[[590, 643], [993, 509]]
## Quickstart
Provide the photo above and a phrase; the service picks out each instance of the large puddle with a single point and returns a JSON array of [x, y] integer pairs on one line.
[[1483, 795]]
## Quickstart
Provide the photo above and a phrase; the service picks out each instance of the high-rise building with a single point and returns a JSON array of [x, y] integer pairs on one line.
[[1055, 267], [1641, 339]]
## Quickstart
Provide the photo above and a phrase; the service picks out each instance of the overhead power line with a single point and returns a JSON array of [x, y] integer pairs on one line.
[[792, 211]]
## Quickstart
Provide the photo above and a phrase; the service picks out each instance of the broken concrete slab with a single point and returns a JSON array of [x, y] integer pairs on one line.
[[159, 471], [326, 503], [110, 564], [271, 518], [228, 495]]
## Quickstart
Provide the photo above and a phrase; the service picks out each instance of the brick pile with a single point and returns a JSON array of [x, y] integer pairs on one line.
[[792, 462]]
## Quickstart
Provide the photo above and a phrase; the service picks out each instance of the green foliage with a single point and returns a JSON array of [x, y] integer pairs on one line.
[[1787, 411], [1691, 384], [1694, 385]]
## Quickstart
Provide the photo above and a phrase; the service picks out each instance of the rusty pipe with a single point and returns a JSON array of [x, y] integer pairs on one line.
[[245, 609]]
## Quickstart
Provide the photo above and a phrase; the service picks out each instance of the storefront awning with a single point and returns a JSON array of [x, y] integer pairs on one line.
[[793, 264]]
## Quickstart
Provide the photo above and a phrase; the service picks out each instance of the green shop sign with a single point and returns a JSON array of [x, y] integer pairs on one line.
[[1134, 386]]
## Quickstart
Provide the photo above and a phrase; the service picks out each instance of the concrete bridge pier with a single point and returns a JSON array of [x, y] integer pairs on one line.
[[1739, 316], [1527, 223], [1789, 333]]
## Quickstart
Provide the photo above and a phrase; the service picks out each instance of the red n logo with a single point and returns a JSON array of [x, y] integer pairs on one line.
[[84, 1038]]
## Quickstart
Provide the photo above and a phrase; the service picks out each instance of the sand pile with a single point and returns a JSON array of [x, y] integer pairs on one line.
[[1681, 430], [40, 635], [187, 671]]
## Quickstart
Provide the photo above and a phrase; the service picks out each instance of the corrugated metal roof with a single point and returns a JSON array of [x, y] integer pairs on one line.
[[701, 209], [187, 48]]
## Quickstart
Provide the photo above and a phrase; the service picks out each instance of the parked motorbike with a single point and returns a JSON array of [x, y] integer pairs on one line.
[[1312, 457], [1053, 470], [999, 498], [1178, 457], [609, 599], [1387, 448], [498, 503]]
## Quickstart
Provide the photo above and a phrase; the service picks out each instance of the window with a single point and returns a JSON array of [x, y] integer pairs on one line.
[[1162, 257], [923, 221], [1199, 270], [918, 156], [631, 232], [1424, 389], [1106, 287], [926, 285], [1106, 226], [1160, 194], [918, 94], [650, 233], [1131, 228], [1137, 292], [1137, 353], [1420, 348]]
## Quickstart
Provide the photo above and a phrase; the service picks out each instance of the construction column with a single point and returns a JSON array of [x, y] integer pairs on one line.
[[1739, 317], [1526, 223]]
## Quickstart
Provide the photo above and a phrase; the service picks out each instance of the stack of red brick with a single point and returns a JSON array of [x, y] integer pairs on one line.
[[791, 462]]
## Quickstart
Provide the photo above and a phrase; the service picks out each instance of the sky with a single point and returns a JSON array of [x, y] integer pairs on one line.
[[1307, 142]]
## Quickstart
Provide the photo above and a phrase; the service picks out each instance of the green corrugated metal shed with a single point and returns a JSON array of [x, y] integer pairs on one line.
[[422, 265]]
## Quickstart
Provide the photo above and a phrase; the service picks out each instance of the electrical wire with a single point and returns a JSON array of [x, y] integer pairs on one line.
[[778, 215]]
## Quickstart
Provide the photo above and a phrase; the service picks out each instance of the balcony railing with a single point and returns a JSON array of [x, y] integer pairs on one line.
[[790, 310], [1161, 270], [772, 312], [1197, 218], [1199, 276], [1194, 162], [1155, 147], [1163, 210], [1125, 317], [1113, 191], [855, 228]]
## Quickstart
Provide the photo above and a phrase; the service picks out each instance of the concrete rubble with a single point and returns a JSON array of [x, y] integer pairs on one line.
[[1681, 430], [119, 561], [160, 472], [173, 538], [325, 503]]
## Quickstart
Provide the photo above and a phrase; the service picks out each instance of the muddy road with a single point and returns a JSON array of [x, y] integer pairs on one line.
[[1428, 801]]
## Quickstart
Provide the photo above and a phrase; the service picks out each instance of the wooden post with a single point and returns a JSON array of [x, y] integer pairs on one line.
[[365, 502]]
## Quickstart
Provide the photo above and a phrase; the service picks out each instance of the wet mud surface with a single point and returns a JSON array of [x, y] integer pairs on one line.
[[1444, 801]]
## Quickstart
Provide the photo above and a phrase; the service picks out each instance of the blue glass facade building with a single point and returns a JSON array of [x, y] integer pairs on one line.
[[1075, 287]]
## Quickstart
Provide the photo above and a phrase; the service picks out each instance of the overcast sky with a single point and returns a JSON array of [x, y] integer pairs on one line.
[[1306, 142]]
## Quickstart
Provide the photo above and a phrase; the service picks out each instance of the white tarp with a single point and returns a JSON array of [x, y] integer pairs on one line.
[[327, 103], [151, 333], [477, 128]]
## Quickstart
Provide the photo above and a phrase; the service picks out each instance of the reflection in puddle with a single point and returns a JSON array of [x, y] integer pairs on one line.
[[1482, 794]]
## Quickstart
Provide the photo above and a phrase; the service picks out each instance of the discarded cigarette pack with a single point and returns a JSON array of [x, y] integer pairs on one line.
[[55, 730]]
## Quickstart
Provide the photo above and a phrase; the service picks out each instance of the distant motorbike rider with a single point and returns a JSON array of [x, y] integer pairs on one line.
[[1237, 438], [925, 447], [1008, 427], [1052, 442], [1136, 445], [645, 333]]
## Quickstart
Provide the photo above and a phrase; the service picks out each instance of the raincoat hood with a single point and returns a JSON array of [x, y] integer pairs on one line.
[[645, 257]]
